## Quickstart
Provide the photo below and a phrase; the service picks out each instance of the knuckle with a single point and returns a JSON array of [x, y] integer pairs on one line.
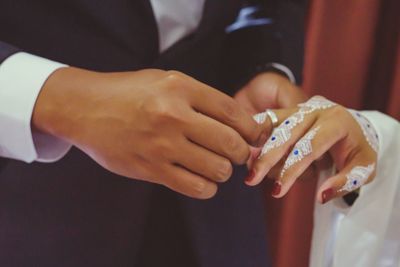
[[338, 115], [232, 143], [230, 111], [168, 115], [160, 148], [174, 73], [337, 112], [159, 112], [174, 78]]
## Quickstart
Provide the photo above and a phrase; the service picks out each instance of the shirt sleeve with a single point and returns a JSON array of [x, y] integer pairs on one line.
[[21, 78]]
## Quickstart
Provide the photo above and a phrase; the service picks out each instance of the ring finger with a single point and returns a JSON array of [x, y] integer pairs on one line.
[[283, 137], [318, 140]]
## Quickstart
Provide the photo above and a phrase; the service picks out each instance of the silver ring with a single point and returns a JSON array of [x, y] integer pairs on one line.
[[273, 117]]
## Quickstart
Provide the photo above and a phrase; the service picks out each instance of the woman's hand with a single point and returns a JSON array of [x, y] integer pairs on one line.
[[265, 91], [305, 134]]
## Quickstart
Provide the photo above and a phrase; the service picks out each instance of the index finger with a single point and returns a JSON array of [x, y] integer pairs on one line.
[[226, 110]]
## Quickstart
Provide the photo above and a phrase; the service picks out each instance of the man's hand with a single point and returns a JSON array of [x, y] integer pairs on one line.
[[153, 125], [269, 90]]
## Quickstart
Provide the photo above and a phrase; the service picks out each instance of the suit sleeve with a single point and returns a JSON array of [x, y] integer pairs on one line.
[[6, 50], [275, 34], [21, 78]]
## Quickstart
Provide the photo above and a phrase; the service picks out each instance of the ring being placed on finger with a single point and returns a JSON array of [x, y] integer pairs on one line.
[[282, 133], [261, 117], [357, 177], [300, 150], [273, 117]]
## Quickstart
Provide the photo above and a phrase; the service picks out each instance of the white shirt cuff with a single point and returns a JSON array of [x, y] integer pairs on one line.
[[21, 78], [285, 70]]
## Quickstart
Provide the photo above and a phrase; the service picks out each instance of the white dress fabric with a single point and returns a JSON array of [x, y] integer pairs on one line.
[[366, 234]]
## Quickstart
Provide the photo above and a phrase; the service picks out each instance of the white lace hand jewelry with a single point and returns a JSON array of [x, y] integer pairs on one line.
[[359, 174], [357, 177], [260, 118], [283, 133], [300, 150], [316, 103], [368, 130]]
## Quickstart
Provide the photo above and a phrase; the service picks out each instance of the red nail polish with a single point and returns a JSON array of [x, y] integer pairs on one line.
[[327, 195], [250, 176], [276, 190]]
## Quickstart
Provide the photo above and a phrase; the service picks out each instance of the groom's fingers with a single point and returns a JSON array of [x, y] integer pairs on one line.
[[217, 137], [226, 110], [203, 162], [188, 183]]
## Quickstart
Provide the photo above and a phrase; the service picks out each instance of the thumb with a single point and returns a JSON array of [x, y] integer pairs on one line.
[[289, 95], [242, 97]]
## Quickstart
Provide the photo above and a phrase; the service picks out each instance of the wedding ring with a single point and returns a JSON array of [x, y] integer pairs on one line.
[[273, 117]]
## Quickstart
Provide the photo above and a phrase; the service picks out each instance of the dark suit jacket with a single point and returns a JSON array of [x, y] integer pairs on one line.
[[73, 212]]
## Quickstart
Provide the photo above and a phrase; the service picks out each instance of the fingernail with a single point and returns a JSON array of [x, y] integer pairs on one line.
[[276, 190], [250, 175], [327, 195]]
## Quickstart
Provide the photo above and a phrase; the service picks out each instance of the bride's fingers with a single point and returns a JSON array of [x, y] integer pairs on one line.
[[278, 114], [359, 171], [265, 118], [312, 146], [279, 143], [310, 172]]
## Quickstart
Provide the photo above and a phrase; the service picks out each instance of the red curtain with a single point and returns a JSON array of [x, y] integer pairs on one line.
[[352, 56]]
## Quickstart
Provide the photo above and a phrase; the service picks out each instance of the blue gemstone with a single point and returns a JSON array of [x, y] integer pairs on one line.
[[273, 138], [355, 182], [358, 114], [296, 152], [287, 122]]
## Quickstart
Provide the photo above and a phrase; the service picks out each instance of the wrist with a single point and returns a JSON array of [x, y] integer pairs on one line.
[[62, 99]]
